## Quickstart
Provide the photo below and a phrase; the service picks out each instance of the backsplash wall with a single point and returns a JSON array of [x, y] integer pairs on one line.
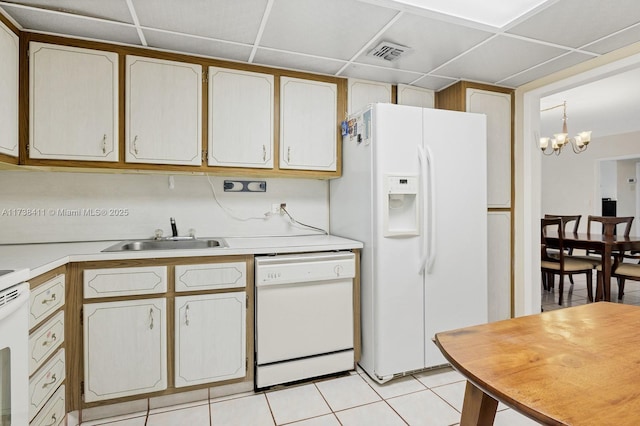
[[59, 207]]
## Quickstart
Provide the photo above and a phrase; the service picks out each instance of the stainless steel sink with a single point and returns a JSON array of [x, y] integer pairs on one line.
[[167, 244]]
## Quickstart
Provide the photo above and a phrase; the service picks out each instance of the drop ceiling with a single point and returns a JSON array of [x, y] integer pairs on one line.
[[334, 36]]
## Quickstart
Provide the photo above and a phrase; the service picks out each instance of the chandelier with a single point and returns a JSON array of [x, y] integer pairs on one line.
[[554, 145]]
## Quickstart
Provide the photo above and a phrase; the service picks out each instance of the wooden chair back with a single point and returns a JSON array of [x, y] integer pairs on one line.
[[609, 224], [566, 220], [558, 224]]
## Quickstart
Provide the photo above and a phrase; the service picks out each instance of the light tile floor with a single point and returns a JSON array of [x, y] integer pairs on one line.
[[576, 294], [432, 398]]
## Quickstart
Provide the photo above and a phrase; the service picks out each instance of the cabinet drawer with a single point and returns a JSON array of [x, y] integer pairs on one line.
[[211, 276], [46, 299], [53, 412], [44, 341], [45, 382], [112, 282]]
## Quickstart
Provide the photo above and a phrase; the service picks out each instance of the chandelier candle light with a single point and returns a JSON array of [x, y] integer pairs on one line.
[[578, 143]]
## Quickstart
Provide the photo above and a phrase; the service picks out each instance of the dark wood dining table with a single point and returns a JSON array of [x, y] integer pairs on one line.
[[572, 366], [603, 245]]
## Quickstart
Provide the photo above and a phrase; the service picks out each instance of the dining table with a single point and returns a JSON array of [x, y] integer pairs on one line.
[[605, 246], [571, 366]]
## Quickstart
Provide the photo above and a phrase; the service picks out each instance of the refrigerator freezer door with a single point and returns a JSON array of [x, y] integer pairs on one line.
[[398, 314], [456, 284]]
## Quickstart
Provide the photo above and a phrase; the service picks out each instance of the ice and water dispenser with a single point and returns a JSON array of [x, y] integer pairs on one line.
[[401, 206]]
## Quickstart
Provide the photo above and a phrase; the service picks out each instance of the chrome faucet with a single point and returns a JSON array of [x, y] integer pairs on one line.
[[174, 228]]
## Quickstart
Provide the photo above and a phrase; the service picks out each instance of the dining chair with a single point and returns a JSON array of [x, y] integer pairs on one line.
[[563, 264], [623, 271], [608, 228], [566, 220]]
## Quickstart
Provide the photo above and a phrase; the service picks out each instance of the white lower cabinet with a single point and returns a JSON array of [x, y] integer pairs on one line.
[[210, 338], [125, 348]]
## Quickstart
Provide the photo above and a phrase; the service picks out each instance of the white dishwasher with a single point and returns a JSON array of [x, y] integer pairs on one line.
[[304, 316]]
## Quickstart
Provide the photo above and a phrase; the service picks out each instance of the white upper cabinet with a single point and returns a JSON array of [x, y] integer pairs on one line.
[[415, 96], [240, 118], [308, 124], [9, 52], [362, 93], [497, 107], [73, 103], [163, 112]]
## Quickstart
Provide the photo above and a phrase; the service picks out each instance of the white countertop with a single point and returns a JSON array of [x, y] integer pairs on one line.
[[31, 260]]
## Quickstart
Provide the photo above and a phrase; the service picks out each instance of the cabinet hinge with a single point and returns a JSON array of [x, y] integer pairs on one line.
[[204, 156], [28, 147], [246, 301], [81, 316], [246, 363], [82, 389], [205, 78]]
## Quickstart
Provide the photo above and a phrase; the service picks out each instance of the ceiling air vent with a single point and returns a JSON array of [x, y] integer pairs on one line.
[[388, 51]]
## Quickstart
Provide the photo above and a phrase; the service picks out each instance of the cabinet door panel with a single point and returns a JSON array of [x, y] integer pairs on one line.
[[497, 107], [499, 265], [210, 338], [9, 48], [111, 282], [124, 348], [164, 110], [363, 93], [240, 118], [415, 96], [73, 103], [308, 125], [211, 276]]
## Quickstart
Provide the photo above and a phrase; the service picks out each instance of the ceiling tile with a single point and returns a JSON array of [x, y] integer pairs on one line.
[[575, 23], [497, 59], [433, 43], [549, 68], [609, 44], [387, 75], [72, 26], [229, 20], [434, 83], [329, 28], [115, 10], [197, 45], [297, 62]]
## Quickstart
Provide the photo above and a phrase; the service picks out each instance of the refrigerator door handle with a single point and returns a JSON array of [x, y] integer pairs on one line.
[[422, 156], [428, 185], [432, 209]]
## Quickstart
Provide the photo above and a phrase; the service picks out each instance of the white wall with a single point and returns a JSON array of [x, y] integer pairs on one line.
[[609, 179], [570, 182], [147, 203]]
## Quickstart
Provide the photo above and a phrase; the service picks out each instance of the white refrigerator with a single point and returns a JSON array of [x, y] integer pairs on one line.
[[413, 190]]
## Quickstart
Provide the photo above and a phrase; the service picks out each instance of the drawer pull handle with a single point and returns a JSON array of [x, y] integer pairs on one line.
[[53, 380], [151, 319], [186, 316], [48, 342], [49, 300], [264, 153], [104, 144], [288, 154], [135, 145], [54, 420]]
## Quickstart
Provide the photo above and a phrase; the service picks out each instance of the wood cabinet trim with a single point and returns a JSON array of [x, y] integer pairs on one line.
[[121, 166]]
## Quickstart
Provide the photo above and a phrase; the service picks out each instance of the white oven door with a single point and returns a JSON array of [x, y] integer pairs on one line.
[[303, 319], [14, 372]]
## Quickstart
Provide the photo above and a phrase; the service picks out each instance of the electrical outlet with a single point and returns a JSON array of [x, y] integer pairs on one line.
[[275, 208]]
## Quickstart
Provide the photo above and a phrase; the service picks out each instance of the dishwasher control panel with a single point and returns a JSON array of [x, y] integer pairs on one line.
[[308, 267]]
